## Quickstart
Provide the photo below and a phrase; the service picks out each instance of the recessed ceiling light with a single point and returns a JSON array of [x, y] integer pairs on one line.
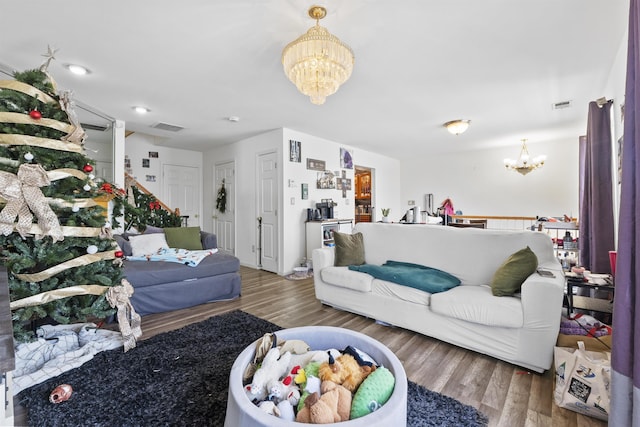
[[234, 119], [141, 110], [77, 69]]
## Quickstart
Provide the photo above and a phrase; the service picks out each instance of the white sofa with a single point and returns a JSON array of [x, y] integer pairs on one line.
[[520, 329]]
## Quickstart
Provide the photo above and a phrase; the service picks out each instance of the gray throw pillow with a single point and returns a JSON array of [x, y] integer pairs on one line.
[[124, 244], [150, 229], [349, 249]]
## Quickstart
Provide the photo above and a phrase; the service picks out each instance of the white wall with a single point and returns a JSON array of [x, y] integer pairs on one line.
[[478, 183], [294, 214], [244, 153], [615, 89], [138, 146]]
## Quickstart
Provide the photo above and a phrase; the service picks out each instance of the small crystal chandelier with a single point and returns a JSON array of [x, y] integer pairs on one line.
[[524, 165], [317, 62]]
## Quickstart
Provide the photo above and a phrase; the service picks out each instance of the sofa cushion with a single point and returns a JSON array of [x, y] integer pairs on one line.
[[146, 244], [151, 273], [184, 238], [477, 304], [405, 293], [509, 277], [349, 249], [345, 278]]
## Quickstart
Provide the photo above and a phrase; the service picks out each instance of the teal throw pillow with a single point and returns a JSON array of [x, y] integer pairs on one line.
[[183, 238], [349, 249], [508, 279]]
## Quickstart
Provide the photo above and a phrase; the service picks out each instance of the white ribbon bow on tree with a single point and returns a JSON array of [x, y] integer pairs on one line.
[[23, 195]]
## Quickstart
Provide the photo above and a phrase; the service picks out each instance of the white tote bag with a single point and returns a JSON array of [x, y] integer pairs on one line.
[[582, 381]]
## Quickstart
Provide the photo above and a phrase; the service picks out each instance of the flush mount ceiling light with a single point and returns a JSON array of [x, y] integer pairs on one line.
[[141, 110], [457, 127], [77, 69], [317, 62], [524, 164]]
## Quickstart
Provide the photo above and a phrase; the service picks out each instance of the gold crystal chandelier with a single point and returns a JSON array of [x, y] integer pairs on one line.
[[317, 62], [524, 164]]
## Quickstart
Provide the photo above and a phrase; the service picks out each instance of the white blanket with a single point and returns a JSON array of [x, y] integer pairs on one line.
[[59, 349], [181, 256]]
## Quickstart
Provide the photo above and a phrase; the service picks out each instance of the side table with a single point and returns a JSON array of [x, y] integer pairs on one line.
[[602, 283]]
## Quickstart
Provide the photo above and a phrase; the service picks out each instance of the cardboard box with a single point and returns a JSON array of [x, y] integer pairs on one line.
[[590, 343]]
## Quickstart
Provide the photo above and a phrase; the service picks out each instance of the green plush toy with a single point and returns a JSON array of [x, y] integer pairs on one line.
[[311, 371], [374, 392]]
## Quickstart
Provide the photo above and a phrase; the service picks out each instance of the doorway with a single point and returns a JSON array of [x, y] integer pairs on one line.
[[181, 189], [364, 208], [224, 222], [268, 212]]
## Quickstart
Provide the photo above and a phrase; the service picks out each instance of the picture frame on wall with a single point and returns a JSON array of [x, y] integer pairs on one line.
[[295, 154], [145, 163], [346, 159], [316, 165], [305, 191]]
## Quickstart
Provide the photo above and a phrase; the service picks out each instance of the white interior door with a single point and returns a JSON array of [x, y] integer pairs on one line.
[[224, 222], [181, 189], [268, 210]]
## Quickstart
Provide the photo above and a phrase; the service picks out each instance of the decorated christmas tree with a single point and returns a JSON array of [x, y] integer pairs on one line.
[[63, 265]]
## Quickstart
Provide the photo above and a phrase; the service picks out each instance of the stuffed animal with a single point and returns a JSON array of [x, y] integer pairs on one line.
[[333, 406], [273, 367], [374, 392], [266, 343], [344, 370], [286, 389]]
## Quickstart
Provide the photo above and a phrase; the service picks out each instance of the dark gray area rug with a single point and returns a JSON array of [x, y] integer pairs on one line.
[[180, 378]]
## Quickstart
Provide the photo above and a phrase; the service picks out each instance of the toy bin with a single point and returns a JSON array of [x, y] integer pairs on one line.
[[241, 412]]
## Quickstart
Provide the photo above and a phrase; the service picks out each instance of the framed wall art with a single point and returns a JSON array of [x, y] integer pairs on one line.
[[316, 165], [295, 154], [346, 159]]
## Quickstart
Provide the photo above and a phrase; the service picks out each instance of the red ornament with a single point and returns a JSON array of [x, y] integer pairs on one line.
[[35, 114], [106, 187], [87, 168], [119, 254]]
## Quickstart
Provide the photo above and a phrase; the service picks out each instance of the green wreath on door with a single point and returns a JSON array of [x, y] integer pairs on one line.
[[221, 200]]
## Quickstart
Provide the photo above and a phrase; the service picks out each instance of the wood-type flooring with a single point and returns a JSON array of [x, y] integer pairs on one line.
[[509, 395]]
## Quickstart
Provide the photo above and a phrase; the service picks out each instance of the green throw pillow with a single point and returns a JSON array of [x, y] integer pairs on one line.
[[349, 249], [183, 238], [508, 279]]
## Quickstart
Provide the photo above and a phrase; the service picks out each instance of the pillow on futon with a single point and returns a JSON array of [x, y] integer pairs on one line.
[[184, 238], [124, 244], [147, 244], [349, 249], [150, 229], [510, 276]]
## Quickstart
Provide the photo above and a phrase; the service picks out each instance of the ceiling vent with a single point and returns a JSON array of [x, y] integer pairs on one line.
[[167, 127], [89, 126], [561, 105]]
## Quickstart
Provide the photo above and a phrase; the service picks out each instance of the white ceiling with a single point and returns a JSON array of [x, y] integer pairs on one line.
[[419, 63]]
